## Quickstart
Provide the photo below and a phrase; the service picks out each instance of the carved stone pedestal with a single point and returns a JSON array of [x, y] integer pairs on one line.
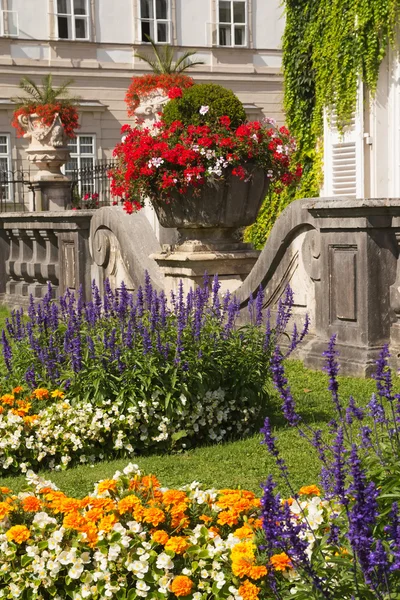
[[232, 267], [52, 194]]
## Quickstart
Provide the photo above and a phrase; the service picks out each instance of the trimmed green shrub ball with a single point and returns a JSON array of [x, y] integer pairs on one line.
[[220, 101]]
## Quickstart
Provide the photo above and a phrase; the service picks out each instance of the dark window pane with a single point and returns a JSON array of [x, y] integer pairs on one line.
[[63, 7], [146, 31], [80, 7], [161, 9], [86, 144], [162, 32], [3, 144], [63, 29], [224, 36], [80, 29], [224, 12], [71, 165], [239, 36], [239, 12], [146, 9]]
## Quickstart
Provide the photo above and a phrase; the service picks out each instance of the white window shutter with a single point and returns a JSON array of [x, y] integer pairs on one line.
[[344, 155]]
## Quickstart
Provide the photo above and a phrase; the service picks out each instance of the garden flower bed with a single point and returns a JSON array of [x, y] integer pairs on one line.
[[131, 538], [158, 386]]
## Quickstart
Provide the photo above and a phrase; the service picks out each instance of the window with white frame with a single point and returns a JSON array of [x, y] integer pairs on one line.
[[5, 167], [155, 21], [232, 23], [8, 21], [72, 19], [82, 161]]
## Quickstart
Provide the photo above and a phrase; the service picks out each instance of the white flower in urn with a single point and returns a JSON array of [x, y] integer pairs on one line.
[[204, 110]]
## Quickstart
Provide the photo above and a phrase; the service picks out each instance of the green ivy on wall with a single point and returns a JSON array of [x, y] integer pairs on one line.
[[328, 46]]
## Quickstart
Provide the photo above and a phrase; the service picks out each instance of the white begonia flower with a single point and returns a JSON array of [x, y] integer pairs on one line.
[[204, 110], [164, 562], [142, 588], [76, 570]]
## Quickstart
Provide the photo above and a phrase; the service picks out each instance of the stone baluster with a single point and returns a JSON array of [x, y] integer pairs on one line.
[[49, 266]]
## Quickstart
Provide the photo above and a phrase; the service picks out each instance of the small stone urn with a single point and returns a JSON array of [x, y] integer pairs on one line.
[[48, 150], [207, 225], [150, 108], [47, 145]]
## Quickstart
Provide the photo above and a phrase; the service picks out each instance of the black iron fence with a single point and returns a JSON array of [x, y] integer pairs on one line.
[[16, 191], [90, 187]]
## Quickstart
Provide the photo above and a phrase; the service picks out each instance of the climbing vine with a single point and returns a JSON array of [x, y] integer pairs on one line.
[[328, 47]]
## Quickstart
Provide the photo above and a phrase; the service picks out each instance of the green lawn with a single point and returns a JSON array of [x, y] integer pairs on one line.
[[4, 313], [243, 463]]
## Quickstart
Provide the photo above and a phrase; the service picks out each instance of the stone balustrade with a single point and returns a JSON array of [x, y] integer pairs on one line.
[[340, 256], [37, 248]]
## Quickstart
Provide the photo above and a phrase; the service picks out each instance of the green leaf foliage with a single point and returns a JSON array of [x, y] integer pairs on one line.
[[328, 47]]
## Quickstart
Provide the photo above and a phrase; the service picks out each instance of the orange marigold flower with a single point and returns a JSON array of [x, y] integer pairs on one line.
[[1, 410], [29, 419], [128, 503], [248, 590], [281, 562], [257, 571], [228, 517], [255, 523], [288, 501], [106, 485], [18, 389], [31, 504], [214, 530], [244, 532], [19, 412], [310, 490], [90, 533], [40, 393], [18, 534], [154, 516], [5, 509], [174, 497], [177, 544], [181, 586], [5, 490], [241, 566], [160, 537], [94, 514], [205, 518], [57, 394], [7, 399], [74, 520], [150, 481], [107, 523]]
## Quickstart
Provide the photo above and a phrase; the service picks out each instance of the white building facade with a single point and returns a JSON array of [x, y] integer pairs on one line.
[[93, 42], [365, 161]]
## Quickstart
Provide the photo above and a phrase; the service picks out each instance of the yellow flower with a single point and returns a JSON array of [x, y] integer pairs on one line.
[[18, 534], [57, 394]]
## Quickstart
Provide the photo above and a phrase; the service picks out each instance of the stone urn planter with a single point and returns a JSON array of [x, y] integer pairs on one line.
[[207, 226], [209, 221], [47, 148]]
